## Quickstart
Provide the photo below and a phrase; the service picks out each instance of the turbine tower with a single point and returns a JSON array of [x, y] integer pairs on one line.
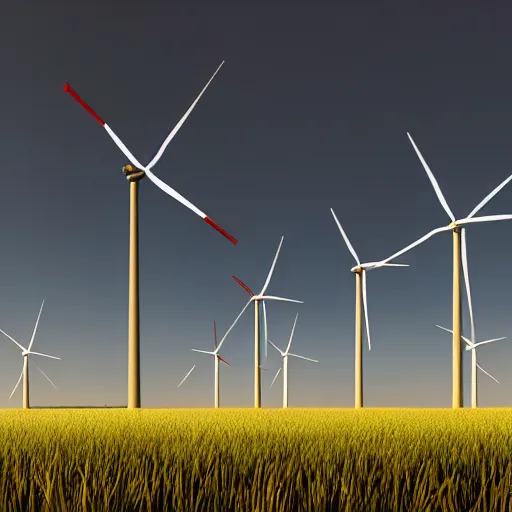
[[360, 273], [134, 173], [25, 352], [285, 355]]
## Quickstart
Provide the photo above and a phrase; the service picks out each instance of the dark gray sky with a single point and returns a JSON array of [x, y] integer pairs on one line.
[[309, 112]]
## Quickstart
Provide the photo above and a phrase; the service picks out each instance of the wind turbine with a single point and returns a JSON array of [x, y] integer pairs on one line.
[[217, 358], [134, 173], [470, 345], [258, 299], [360, 271], [285, 355], [459, 249], [25, 352]]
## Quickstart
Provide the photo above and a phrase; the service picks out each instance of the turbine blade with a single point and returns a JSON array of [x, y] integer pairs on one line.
[[345, 237], [203, 351], [265, 326], [215, 333], [44, 355], [487, 198], [170, 191], [185, 378], [17, 383], [486, 218], [47, 378], [489, 341], [471, 344], [365, 306], [174, 131], [414, 244], [302, 357], [277, 348], [35, 328], [395, 265], [291, 335], [11, 338], [433, 180], [243, 285], [487, 373], [78, 99], [232, 325], [223, 360], [272, 268], [282, 299], [465, 272], [275, 377]]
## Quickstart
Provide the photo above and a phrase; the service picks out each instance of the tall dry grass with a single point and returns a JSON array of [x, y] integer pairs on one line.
[[256, 460]]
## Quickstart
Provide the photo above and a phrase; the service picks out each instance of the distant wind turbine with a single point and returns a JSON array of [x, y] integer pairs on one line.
[[285, 355], [217, 358], [360, 271], [25, 352], [459, 250], [258, 299], [471, 346], [134, 173]]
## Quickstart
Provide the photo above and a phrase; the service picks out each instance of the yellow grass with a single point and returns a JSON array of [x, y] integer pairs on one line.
[[256, 460]]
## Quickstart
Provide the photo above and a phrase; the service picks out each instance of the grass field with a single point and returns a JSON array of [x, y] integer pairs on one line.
[[256, 460]]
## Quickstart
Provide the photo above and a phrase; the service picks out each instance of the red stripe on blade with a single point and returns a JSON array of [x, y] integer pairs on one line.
[[243, 285], [220, 230], [223, 360], [70, 90]]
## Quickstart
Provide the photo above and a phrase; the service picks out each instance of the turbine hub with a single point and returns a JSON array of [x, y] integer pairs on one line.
[[356, 270], [453, 225], [132, 173]]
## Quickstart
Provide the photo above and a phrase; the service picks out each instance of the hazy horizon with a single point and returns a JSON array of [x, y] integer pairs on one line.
[[309, 112]]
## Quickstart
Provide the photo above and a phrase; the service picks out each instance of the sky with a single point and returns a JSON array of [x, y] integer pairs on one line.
[[309, 112]]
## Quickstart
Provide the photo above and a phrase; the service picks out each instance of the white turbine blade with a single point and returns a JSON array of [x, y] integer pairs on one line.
[[17, 383], [272, 268], [170, 191], [433, 180], [395, 265], [203, 351], [345, 237], [445, 329], [291, 335], [11, 338], [365, 306], [44, 355], [414, 244], [277, 348], [487, 373], [471, 344], [465, 272], [47, 378], [302, 357], [265, 326], [487, 198], [35, 328], [119, 143], [180, 123], [489, 341], [232, 325], [485, 218], [185, 378], [282, 299], [275, 377]]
